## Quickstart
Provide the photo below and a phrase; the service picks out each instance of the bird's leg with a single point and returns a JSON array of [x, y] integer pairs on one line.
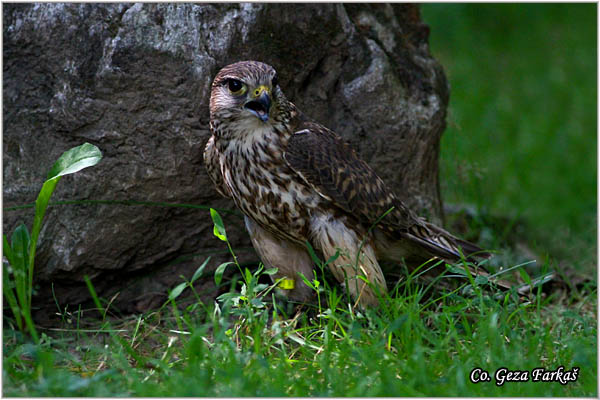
[[289, 258], [362, 275]]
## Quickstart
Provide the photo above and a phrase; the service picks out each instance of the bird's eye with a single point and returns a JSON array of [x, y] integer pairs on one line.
[[274, 81], [236, 87]]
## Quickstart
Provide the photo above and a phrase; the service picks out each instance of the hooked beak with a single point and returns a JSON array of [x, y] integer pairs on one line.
[[260, 104]]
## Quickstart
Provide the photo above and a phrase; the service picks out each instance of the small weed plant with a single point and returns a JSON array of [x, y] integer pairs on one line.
[[17, 273]]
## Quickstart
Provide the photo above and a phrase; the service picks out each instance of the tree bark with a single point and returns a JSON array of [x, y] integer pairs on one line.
[[134, 79]]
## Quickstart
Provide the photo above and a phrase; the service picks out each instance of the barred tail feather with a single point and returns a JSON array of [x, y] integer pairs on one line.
[[441, 243], [434, 248]]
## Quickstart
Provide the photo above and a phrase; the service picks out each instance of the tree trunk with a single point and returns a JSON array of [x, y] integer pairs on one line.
[[134, 79]]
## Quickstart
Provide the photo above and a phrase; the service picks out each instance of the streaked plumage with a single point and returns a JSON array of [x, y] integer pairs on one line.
[[297, 181]]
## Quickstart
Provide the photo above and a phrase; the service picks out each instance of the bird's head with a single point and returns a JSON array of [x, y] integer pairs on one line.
[[246, 92]]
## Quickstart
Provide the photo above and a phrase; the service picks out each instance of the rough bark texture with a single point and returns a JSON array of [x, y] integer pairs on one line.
[[134, 80]]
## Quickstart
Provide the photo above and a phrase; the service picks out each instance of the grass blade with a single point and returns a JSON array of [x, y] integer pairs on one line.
[[92, 291]]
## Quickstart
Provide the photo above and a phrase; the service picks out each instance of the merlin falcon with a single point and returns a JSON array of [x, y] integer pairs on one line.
[[297, 181]]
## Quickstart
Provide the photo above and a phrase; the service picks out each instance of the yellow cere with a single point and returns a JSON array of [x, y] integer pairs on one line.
[[258, 91]]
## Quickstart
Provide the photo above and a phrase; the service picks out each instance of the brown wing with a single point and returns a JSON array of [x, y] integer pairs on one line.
[[334, 170]]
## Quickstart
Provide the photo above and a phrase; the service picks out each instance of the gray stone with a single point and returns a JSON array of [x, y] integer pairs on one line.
[[134, 80]]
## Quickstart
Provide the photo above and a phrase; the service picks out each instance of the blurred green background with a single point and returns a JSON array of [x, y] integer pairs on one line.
[[521, 139]]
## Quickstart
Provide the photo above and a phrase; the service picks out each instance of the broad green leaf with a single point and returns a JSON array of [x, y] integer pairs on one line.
[[220, 270], [219, 228], [199, 271], [271, 271], [74, 160], [481, 280], [177, 291]]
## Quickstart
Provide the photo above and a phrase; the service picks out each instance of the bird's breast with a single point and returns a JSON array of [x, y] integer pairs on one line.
[[267, 190]]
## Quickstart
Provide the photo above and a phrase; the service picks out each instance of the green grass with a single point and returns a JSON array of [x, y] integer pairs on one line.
[[414, 345], [520, 143], [521, 137]]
